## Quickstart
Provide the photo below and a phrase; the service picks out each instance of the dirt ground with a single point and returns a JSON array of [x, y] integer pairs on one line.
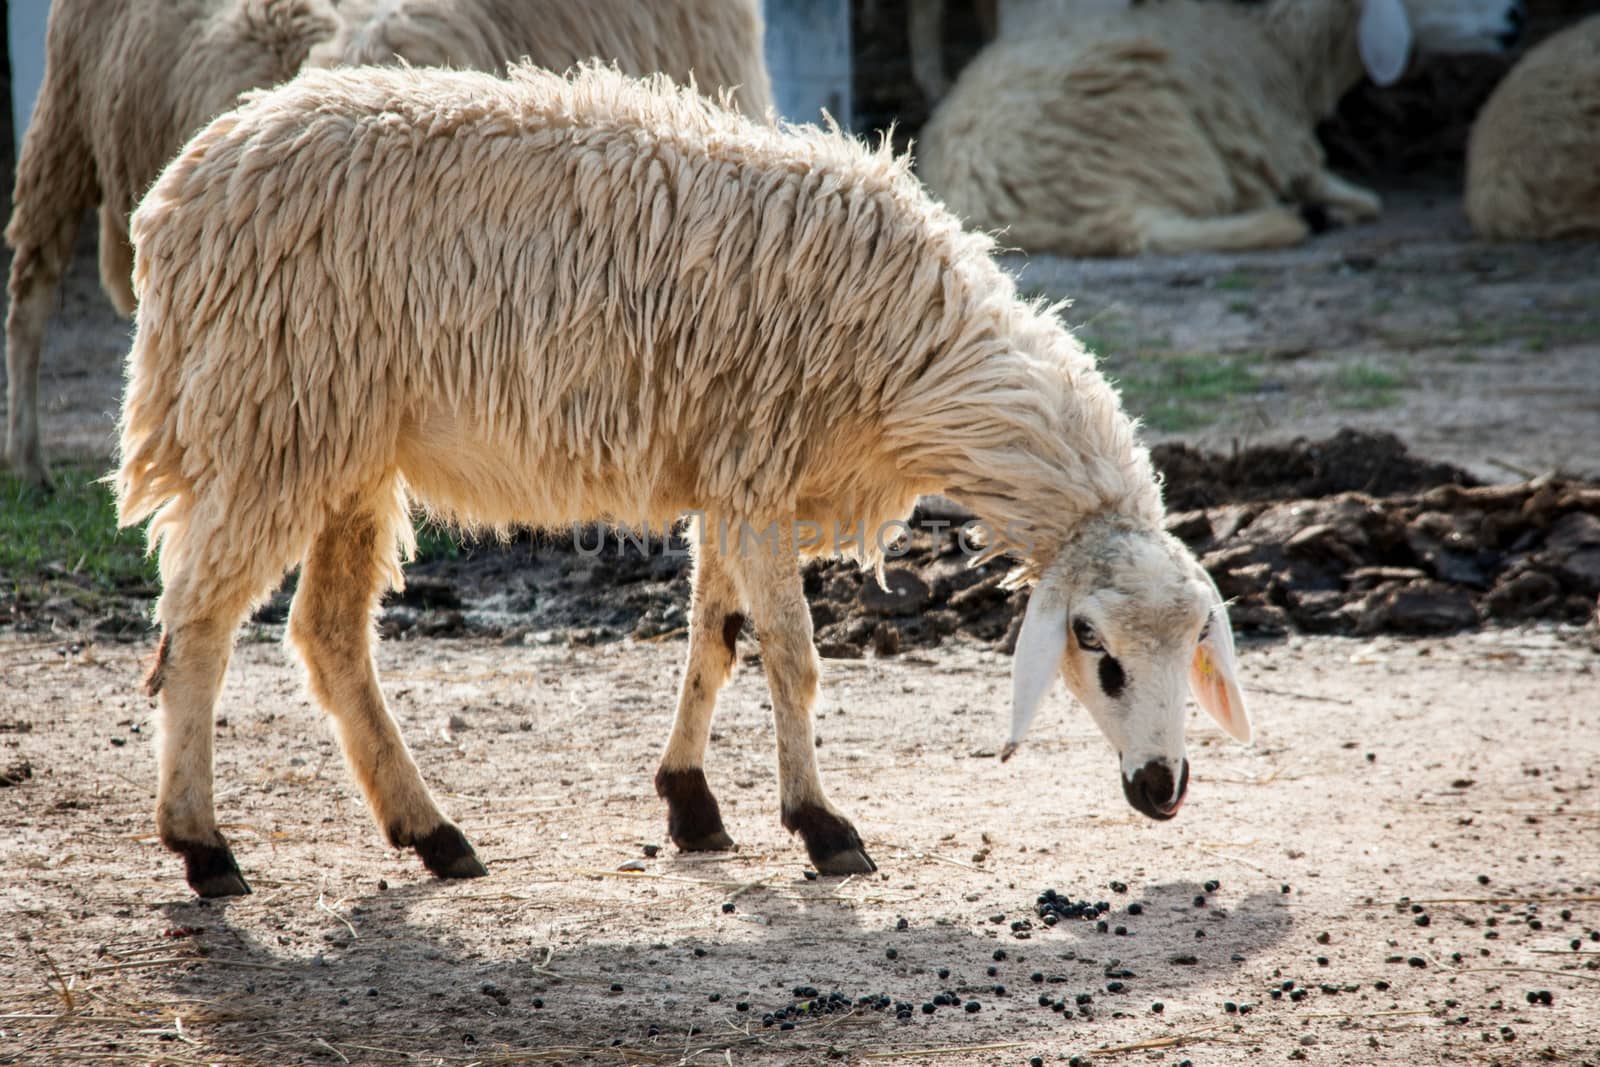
[[1452, 782], [1413, 842]]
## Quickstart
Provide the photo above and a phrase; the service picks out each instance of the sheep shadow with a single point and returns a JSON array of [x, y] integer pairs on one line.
[[800, 978]]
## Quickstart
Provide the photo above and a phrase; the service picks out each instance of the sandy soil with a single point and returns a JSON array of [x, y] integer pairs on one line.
[[1455, 779]]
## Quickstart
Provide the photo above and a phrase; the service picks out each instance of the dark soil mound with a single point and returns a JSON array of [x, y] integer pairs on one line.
[[1350, 461]]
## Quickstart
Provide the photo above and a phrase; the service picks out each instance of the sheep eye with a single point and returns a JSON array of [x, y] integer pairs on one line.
[[1087, 639]]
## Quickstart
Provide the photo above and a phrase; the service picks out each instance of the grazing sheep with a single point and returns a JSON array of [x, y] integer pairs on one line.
[[1533, 161], [126, 82], [542, 301], [1175, 125], [717, 42]]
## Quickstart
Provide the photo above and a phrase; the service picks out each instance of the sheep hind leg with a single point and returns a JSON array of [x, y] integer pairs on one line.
[[330, 625], [1270, 227], [694, 821], [770, 581], [187, 676]]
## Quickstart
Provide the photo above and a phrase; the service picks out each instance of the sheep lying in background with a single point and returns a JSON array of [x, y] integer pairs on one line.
[[717, 42], [1533, 161], [125, 84], [543, 301], [1176, 125]]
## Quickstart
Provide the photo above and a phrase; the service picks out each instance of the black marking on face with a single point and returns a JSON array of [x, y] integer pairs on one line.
[[1112, 677]]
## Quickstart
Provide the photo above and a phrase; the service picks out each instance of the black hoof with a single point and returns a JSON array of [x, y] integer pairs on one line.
[[211, 870], [831, 842], [446, 852], [694, 822]]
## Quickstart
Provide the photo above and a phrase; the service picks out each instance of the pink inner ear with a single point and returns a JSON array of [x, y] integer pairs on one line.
[[1217, 694]]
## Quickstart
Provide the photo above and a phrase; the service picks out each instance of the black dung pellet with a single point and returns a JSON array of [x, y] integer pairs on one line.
[[944, 972], [1576, 943], [999, 953], [1417, 961], [727, 907], [811, 876], [714, 997], [1076, 1061], [1135, 908], [1298, 995], [999, 990], [654, 1031], [768, 1019], [1158, 1007], [973, 1006], [901, 923], [1199, 901], [1322, 961], [651, 851], [1288, 985], [1535, 924], [1044, 1000], [891, 953], [1102, 926], [1037, 1061], [1051, 919], [1381, 986], [1284, 888], [1059, 1005], [991, 971], [1115, 987], [786, 1026], [538, 1002], [372, 991], [699, 952], [1230, 1007], [616, 987], [927, 1009], [1121, 931], [1423, 920], [1085, 998], [743, 1005], [1213, 885], [1119, 887], [997, 918], [1036, 976], [805, 992], [1275, 994], [1483, 879]]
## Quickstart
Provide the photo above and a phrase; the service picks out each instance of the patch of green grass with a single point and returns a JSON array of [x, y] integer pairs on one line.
[[1176, 392], [71, 533], [1365, 387], [1234, 281]]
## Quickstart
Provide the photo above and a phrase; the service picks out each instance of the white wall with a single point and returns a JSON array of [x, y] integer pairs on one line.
[[27, 19], [808, 53]]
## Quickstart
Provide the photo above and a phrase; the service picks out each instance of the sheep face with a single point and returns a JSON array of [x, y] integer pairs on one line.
[[1444, 27], [1132, 624]]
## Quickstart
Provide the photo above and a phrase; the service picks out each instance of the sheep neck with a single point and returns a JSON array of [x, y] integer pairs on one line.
[[1319, 41]]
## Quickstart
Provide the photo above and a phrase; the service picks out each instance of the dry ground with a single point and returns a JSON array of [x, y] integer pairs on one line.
[[1384, 771]]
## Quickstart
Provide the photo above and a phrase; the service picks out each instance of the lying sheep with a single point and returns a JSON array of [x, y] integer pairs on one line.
[[716, 42], [1176, 125], [125, 85], [92, 141], [1533, 161], [543, 301]]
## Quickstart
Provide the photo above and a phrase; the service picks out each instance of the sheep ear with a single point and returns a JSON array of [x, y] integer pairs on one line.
[[1037, 660], [1384, 39], [1213, 677]]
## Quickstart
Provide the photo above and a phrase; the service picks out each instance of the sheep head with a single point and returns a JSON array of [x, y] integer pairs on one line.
[[1132, 624]]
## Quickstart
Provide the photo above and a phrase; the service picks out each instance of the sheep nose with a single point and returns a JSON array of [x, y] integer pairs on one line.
[[1150, 790]]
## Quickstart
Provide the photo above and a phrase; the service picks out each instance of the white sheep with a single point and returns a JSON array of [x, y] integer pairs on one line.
[[717, 43], [1176, 125], [125, 84], [1533, 160], [542, 301]]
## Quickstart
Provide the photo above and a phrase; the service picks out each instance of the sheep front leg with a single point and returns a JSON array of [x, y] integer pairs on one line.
[[770, 580], [694, 821], [1345, 202]]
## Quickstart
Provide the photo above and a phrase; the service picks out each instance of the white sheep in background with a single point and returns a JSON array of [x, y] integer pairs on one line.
[[717, 42], [1533, 160], [93, 141], [541, 301], [125, 84], [1007, 19], [1176, 125]]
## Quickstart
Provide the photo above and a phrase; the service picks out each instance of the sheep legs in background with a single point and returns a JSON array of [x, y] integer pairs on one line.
[[330, 625], [1345, 202], [772, 586], [694, 822], [1269, 227]]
